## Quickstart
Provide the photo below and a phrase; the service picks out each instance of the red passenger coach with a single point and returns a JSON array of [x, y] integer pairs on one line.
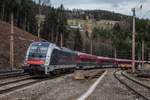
[[106, 61], [120, 61], [87, 57], [86, 60], [124, 63]]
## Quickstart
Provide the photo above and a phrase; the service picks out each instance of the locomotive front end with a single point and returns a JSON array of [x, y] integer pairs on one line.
[[36, 57]]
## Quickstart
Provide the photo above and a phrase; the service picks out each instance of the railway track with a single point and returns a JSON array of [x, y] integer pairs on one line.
[[14, 80], [135, 86], [8, 71], [12, 85], [9, 74]]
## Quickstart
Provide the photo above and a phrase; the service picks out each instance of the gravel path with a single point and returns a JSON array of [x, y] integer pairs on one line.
[[67, 89], [111, 89]]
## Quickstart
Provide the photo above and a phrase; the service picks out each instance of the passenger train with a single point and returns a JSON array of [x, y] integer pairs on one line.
[[46, 57]]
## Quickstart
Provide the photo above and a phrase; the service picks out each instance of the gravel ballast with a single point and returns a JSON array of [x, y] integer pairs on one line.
[[60, 88], [67, 88], [111, 89]]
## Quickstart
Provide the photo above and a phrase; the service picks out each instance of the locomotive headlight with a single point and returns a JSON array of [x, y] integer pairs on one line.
[[25, 63], [46, 62]]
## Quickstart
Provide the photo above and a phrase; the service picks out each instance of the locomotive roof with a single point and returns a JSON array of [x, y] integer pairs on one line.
[[67, 50], [40, 43], [54, 45]]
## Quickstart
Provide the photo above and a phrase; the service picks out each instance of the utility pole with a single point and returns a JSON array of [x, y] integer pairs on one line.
[[133, 38], [39, 22], [40, 18], [61, 41], [133, 42], [89, 30], [115, 53], [61, 19], [143, 43], [91, 34], [12, 42], [91, 45]]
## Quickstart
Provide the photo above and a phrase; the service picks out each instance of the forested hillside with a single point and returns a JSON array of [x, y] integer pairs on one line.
[[55, 24], [22, 40]]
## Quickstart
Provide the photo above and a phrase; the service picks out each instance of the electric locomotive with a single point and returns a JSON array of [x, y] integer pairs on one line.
[[45, 57]]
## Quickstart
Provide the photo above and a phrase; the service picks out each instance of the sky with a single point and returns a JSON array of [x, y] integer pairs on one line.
[[118, 6]]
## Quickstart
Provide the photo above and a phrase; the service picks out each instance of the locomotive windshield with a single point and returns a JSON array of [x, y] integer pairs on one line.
[[38, 50]]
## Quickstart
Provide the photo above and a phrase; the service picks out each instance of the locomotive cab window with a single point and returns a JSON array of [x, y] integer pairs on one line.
[[38, 51]]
